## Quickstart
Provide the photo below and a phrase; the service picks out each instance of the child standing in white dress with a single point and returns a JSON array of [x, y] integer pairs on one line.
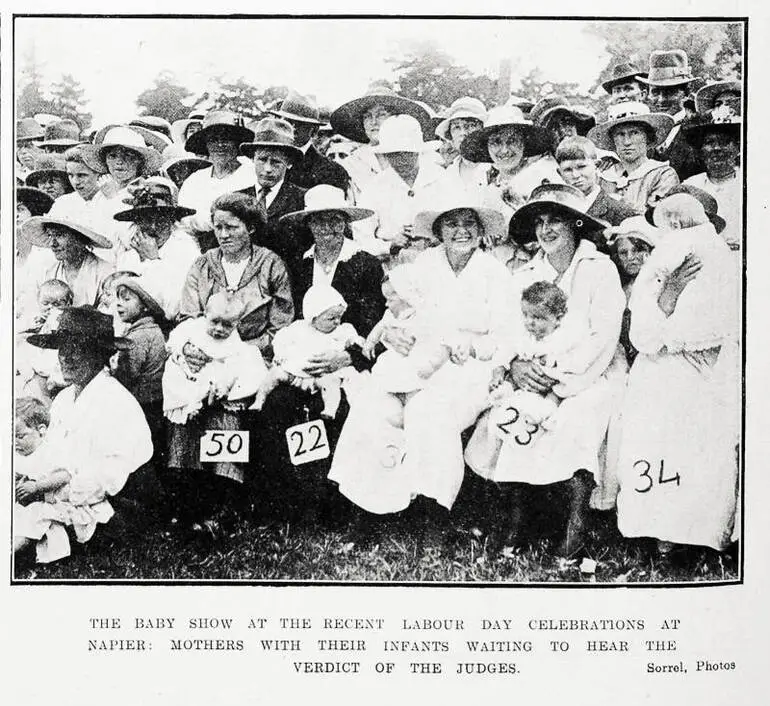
[[235, 368], [320, 331]]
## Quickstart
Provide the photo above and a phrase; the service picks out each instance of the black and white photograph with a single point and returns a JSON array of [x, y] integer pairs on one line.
[[348, 300]]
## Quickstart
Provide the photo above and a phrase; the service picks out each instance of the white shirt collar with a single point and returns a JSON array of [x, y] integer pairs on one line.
[[349, 248], [272, 193]]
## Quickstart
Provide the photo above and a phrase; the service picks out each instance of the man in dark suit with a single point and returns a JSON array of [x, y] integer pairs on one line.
[[273, 152], [313, 168]]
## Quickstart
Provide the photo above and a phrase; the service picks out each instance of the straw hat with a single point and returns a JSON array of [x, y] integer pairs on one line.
[[85, 324], [549, 107], [275, 133], [34, 230], [491, 219], [549, 198], [154, 123], [623, 72], [668, 68], [709, 203], [217, 120], [146, 291], [724, 124], [322, 199], [38, 203], [61, 135], [130, 139], [348, 119], [155, 195], [704, 98], [48, 165], [400, 133], [299, 109], [657, 125], [28, 129], [179, 127], [179, 164], [465, 107], [474, 147]]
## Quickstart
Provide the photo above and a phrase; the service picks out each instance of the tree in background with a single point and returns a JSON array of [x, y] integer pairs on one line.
[[241, 97], [427, 74], [68, 101], [713, 49], [31, 100], [534, 86], [166, 99]]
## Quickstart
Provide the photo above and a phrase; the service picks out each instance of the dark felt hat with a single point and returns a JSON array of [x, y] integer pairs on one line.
[[37, 202], [85, 324], [623, 72], [275, 133], [217, 120]]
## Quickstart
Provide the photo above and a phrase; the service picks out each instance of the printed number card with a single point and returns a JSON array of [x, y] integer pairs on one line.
[[230, 446], [307, 442]]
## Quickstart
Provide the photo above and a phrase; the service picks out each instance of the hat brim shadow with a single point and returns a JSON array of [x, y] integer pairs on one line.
[[348, 119], [247, 149], [474, 147], [521, 228], [133, 214], [238, 134]]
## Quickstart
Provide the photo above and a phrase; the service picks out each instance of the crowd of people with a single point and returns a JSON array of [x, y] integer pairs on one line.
[[342, 318]]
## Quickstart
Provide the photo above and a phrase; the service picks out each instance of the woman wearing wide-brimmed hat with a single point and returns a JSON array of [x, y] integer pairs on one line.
[[96, 438], [720, 96], [182, 129], [178, 164], [679, 475], [159, 249], [560, 119], [398, 193], [218, 140], [631, 130], [28, 136], [717, 138], [568, 450], [75, 263], [516, 149], [360, 120], [336, 260], [382, 468], [464, 116], [50, 176]]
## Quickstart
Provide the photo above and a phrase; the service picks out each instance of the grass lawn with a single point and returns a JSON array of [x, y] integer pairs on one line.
[[258, 550]]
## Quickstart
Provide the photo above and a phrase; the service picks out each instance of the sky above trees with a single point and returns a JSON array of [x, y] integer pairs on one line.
[[116, 60]]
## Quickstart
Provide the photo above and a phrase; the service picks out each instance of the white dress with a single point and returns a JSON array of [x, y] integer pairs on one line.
[[100, 438], [237, 369], [381, 468], [577, 430], [678, 467]]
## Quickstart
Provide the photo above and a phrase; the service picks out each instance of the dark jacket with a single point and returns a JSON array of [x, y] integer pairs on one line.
[[288, 243], [140, 367], [611, 210], [315, 169], [359, 281], [685, 159]]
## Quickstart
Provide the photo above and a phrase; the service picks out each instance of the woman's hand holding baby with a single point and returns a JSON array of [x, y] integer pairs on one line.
[[528, 375], [26, 492], [326, 363], [194, 357], [677, 281], [398, 339]]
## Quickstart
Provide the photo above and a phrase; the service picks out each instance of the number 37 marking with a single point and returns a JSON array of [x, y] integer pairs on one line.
[[643, 467]]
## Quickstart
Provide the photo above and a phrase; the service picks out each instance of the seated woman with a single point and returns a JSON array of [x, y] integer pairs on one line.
[[97, 437], [678, 467], [258, 278], [569, 448], [381, 468], [336, 260]]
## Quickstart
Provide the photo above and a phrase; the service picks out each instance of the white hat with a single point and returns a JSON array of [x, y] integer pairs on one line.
[[400, 133], [318, 299], [122, 136], [634, 227], [492, 220], [658, 125], [325, 197], [465, 107]]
